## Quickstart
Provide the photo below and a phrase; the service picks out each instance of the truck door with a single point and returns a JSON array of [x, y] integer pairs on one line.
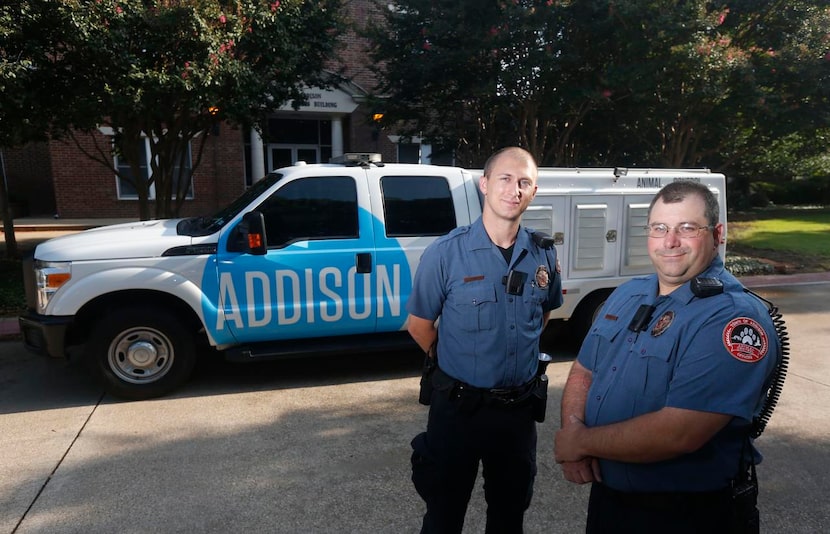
[[414, 206], [318, 277]]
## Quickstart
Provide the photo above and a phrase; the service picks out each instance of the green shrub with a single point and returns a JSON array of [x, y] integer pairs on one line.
[[12, 296], [742, 266], [805, 192]]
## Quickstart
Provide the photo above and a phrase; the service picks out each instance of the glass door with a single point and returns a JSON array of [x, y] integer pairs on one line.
[[286, 155]]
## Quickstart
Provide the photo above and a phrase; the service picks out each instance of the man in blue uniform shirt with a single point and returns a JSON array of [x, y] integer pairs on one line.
[[492, 287], [657, 407]]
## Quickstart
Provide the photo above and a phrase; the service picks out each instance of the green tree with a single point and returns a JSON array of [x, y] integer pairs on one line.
[[473, 76], [642, 82], [25, 107], [785, 136], [163, 73]]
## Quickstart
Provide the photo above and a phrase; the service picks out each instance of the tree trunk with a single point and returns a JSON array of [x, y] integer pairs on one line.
[[8, 222]]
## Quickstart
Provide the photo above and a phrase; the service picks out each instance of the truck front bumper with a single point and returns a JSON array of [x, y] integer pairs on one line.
[[45, 334]]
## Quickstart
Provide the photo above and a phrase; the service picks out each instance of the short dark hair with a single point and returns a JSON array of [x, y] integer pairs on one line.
[[518, 151], [678, 191]]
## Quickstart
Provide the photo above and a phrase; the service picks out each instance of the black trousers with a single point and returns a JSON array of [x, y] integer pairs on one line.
[[611, 511], [445, 461]]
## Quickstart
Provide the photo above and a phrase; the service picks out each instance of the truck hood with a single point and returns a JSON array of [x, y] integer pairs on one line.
[[119, 241]]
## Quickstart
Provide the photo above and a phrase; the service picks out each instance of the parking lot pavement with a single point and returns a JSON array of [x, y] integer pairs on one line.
[[322, 446], [281, 447]]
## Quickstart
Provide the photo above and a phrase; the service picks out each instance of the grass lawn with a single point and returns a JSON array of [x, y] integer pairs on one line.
[[800, 231]]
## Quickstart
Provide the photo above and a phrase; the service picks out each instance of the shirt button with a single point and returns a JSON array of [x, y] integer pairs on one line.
[[630, 339], [510, 299], [614, 368], [598, 397], [512, 327]]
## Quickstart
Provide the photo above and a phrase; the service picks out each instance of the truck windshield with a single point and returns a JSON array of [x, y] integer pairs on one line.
[[199, 226]]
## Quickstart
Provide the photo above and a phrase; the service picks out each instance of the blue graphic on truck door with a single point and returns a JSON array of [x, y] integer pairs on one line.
[[321, 275]]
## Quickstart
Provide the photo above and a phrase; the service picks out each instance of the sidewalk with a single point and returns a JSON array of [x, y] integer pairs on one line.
[[51, 224]]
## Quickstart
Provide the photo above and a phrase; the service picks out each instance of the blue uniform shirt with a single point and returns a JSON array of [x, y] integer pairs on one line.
[[486, 337], [712, 354]]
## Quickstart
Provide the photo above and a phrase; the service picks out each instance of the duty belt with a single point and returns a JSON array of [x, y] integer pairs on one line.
[[508, 396]]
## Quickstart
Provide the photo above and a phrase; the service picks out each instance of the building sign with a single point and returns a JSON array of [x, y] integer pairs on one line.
[[325, 101]]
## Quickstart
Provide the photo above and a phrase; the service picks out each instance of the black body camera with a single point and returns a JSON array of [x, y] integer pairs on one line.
[[641, 318], [515, 282]]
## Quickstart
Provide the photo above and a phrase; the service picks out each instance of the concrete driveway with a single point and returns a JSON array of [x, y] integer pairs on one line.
[[322, 446]]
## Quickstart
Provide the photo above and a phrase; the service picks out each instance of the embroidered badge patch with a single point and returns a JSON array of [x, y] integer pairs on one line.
[[542, 277], [662, 323], [745, 340]]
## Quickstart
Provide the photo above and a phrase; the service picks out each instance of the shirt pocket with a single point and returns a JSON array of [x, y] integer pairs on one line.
[[657, 365], [534, 300], [597, 348], [476, 306], [605, 329]]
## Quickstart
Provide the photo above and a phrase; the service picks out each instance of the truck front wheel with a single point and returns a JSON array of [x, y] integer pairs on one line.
[[141, 353]]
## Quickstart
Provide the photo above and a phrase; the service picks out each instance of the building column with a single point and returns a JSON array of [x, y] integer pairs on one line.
[[336, 136], [257, 157], [424, 153]]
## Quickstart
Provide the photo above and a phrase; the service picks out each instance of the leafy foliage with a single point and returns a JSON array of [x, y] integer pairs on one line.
[[166, 71], [601, 82], [745, 266]]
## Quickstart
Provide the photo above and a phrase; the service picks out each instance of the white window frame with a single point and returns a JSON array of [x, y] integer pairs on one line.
[[152, 192]]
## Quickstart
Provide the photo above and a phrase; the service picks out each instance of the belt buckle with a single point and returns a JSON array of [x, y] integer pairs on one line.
[[504, 395]]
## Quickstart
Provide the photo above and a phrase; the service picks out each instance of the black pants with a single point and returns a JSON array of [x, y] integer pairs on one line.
[[611, 511], [446, 457]]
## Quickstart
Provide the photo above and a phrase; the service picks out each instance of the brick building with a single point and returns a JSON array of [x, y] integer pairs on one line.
[[57, 178]]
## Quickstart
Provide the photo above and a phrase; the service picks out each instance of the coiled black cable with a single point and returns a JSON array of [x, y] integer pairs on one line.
[[779, 374]]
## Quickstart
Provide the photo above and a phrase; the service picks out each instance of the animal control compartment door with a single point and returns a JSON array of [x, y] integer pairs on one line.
[[594, 236], [634, 246], [548, 214]]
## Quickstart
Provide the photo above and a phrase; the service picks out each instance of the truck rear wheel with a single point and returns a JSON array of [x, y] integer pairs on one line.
[[141, 353]]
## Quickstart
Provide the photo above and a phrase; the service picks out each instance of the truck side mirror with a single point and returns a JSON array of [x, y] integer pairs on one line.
[[252, 230]]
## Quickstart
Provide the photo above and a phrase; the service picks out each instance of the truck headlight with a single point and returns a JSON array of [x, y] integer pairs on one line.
[[50, 276]]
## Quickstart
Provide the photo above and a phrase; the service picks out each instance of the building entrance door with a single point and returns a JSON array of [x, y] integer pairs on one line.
[[280, 155]]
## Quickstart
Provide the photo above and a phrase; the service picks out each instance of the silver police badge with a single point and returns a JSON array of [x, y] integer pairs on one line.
[[542, 278]]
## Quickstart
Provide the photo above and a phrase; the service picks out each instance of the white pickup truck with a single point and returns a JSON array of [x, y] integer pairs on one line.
[[311, 258]]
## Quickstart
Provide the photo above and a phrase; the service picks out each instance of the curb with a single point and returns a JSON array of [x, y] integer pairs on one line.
[[766, 280]]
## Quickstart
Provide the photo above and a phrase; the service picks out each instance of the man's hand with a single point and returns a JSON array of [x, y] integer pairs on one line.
[[566, 445], [576, 468], [582, 472]]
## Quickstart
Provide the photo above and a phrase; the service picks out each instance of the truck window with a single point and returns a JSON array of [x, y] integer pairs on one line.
[[311, 209], [417, 205]]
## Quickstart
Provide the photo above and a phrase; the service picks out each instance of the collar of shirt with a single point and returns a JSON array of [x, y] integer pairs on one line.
[[683, 294], [479, 239]]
